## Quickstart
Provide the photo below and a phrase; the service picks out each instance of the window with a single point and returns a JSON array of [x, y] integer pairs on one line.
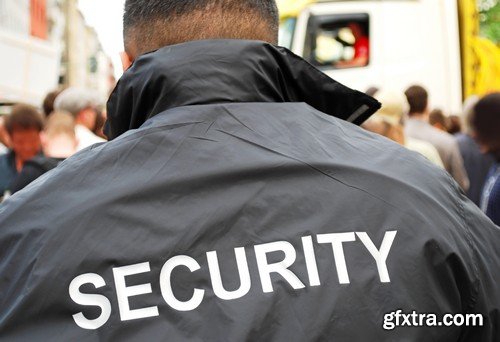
[[39, 18], [338, 41]]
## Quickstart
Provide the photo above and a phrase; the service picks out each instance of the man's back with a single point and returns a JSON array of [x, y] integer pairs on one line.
[[446, 146], [476, 164], [424, 148], [243, 221]]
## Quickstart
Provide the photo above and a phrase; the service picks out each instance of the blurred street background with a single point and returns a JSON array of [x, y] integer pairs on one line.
[[46, 44]]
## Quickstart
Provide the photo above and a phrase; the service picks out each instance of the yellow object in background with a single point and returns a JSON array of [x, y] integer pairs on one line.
[[480, 57], [292, 8]]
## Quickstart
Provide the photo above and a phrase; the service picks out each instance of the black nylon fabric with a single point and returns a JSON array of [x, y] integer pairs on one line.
[[226, 71], [238, 179]]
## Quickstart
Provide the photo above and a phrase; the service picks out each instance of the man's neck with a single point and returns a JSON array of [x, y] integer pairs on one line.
[[19, 164], [60, 147], [81, 123], [419, 116]]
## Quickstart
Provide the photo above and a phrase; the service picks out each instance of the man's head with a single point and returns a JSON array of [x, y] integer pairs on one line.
[[485, 124], [81, 103], [151, 24], [454, 124], [58, 138], [388, 121], [417, 99], [24, 125], [438, 119], [48, 102]]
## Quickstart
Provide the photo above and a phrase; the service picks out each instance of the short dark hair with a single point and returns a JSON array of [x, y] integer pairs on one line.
[[454, 124], [417, 99], [23, 117], [485, 119], [437, 117], [146, 21], [372, 91], [48, 102]]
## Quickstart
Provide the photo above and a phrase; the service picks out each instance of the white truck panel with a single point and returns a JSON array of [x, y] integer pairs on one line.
[[411, 42], [29, 68]]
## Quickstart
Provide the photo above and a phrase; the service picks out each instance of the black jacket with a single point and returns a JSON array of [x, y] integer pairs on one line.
[[237, 203]]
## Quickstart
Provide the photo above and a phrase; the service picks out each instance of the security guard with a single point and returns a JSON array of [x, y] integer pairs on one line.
[[239, 200]]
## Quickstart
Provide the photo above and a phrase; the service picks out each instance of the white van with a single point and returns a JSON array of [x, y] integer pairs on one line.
[[406, 42]]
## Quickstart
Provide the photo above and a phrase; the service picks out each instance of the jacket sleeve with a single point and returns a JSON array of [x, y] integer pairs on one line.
[[485, 240]]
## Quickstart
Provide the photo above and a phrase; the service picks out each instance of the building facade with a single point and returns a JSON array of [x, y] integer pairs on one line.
[[84, 63], [14, 16], [29, 62], [47, 44]]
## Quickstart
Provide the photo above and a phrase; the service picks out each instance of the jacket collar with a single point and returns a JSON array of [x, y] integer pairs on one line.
[[225, 71]]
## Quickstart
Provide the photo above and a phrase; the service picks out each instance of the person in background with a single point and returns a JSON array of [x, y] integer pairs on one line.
[[23, 126], [58, 142], [48, 101], [100, 122], [371, 90], [485, 124], [361, 47], [82, 104], [438, 120], [476, 163], [418, 127], [454, 124], [389, 122]]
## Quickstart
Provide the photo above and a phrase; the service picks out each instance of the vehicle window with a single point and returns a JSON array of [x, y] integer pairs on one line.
[[340, 41]]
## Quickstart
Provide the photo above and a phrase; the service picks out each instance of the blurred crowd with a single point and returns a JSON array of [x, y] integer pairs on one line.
[[467, 145], [32, 142]]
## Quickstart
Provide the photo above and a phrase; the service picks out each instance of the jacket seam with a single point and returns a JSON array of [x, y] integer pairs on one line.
[[468, 234]]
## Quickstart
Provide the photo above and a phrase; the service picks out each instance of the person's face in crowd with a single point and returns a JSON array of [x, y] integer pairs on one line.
[[25, 143]]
